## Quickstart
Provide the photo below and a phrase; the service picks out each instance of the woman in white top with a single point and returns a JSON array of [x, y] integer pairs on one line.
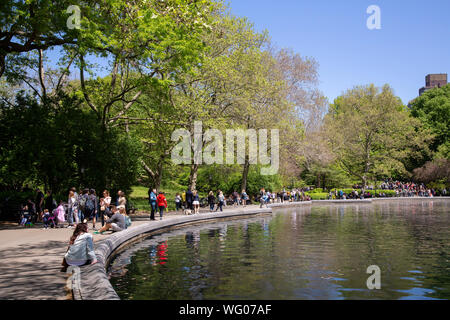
[[121, 200], [81, 248], [72, 209], [105, 203]]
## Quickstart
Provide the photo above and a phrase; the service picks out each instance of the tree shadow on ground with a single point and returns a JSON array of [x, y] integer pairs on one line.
[[32, 272]]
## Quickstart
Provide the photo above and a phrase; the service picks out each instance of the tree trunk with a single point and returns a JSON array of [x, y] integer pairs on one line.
[[364, 181], [245, 172], [41, 75], [158, 176], [2, 64], [193, 177]]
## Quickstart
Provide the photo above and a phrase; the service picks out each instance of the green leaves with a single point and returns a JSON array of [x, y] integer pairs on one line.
[[371, 133], [433, 110]]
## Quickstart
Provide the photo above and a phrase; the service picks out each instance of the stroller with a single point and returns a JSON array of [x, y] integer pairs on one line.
[[50, 220]]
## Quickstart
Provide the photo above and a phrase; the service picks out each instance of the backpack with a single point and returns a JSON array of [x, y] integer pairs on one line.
[[90, 203], [127, 222], [82, 203]]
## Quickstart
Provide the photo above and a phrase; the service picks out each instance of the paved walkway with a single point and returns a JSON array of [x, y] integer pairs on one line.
[[30, 259]]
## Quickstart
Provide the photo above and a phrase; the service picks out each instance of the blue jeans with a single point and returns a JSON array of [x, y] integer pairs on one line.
[[211, 206], [153, 207], [161, 211], [80, 215], [70, 217]]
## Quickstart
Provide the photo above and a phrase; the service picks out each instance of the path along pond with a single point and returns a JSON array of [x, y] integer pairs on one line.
[[311, 252]]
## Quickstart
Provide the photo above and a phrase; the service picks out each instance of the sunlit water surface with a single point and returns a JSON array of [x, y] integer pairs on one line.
[[318, 252]]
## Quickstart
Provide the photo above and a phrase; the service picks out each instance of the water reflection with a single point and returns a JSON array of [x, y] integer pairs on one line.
[[308, 253]]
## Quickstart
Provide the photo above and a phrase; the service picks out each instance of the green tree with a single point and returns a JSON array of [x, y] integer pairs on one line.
[[433, 110], [63, 147], [371, 132]]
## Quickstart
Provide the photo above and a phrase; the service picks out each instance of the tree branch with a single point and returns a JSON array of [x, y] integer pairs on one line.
[[83, 86]]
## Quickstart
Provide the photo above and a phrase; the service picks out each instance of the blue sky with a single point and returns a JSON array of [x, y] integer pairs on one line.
[[414, 39]]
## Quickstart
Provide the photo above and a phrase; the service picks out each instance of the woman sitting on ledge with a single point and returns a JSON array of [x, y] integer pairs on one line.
[[81, 248], [116, 223]]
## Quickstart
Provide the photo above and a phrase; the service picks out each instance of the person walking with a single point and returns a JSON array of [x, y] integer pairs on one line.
[[152, 201], [91, 207], [221, 201], [196, 202], [75, 206], [177, 202], [105, 203], [189, 199], [244, 197], [211, 201], [263, 200], [183, 197], [235, 197], [39, 203], [162, 204], [71, 200]]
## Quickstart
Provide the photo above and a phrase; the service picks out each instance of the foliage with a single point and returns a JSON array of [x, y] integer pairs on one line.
[[434, 171], [433, 110], [63, 147], [371, 132]]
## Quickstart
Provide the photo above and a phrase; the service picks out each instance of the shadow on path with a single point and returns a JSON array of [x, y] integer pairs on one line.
[[32, 272]]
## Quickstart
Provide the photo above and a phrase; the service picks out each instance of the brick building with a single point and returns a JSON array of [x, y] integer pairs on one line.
[[433, 81]]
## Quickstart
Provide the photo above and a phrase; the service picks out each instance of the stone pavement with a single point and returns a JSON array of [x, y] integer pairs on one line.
[[30, 261]]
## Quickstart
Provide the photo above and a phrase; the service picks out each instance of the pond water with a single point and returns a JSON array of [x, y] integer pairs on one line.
[[318, 252]]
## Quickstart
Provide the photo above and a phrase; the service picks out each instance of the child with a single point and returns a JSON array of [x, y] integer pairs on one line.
[[162, 204], [178, 202], [25, 216], [46, 218], [60, 214]]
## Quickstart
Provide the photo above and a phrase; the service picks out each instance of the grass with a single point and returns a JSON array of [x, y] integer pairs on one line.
[[139, 196]]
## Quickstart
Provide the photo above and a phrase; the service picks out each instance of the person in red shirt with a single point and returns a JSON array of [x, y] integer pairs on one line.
[[161, 203]]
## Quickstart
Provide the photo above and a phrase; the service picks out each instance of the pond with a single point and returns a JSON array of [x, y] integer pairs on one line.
[[318, 252]]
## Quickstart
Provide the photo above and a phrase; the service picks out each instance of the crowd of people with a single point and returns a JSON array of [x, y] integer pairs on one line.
[[80, 207], [410, 189], [190, 200], [86, 205]]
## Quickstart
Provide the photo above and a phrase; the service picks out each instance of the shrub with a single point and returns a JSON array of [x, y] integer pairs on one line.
[[317, 196]]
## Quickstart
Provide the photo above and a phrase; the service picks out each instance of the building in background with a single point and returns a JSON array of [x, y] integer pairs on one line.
[[433, 81]]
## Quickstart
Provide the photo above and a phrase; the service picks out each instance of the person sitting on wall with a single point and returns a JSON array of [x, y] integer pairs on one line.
[[116, 223], [81, 248]]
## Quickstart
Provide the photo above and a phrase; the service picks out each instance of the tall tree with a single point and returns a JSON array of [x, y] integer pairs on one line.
[[433, 110], [370, 132]]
